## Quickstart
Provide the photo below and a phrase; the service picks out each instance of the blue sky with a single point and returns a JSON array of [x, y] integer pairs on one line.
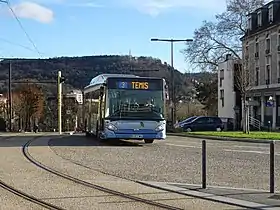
[[88, 27]]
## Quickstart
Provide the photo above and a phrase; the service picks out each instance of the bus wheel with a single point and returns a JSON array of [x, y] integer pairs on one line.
[[148, 141]]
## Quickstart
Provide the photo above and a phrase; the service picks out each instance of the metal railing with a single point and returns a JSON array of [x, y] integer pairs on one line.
[[272, 165], [255, 122]]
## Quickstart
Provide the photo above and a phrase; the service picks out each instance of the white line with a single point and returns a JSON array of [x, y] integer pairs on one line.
[[180, 145], [249, 151], [253, 147]]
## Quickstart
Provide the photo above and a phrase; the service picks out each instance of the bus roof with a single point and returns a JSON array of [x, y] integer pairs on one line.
[[101, 79]]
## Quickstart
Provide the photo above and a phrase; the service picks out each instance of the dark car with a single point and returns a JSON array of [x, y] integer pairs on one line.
[[204, 124], [182, 123]]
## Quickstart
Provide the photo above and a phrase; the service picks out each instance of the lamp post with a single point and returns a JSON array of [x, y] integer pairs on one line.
[[173, 112]]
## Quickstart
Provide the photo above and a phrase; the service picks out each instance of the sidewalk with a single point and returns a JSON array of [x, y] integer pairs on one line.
[[246, 198]]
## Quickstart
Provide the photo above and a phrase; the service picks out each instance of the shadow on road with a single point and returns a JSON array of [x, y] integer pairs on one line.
[[18, 140], [79, 140]]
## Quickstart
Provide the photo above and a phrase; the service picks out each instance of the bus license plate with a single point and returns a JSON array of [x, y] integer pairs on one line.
[[137, 136]]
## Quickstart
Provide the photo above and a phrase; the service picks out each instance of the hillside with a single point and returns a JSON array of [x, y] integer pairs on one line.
[[78, 71]]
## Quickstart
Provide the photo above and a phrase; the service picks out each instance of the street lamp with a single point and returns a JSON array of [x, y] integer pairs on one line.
[[173, 113]]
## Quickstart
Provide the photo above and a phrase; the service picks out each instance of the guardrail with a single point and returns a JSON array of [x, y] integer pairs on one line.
[[272, 165]]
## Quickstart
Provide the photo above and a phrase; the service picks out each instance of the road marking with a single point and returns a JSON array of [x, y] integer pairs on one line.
[[250, 151], [180, 145], [253, 147]]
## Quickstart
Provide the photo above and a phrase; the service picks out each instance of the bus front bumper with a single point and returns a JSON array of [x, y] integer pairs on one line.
[[108, 134]]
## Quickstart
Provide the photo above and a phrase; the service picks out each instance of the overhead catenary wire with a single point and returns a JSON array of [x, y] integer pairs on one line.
[[7, 2], [16, 44]]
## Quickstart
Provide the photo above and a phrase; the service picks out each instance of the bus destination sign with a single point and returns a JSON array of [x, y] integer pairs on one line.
[[135, 84]]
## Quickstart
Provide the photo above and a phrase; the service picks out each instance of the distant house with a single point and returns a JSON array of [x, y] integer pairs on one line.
[[229, 98]]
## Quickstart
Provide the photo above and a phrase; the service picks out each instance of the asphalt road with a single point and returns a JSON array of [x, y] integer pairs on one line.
[[177, 159], [25, 176]]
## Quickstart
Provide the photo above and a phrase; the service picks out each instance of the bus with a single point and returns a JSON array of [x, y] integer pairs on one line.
[[122, 106]]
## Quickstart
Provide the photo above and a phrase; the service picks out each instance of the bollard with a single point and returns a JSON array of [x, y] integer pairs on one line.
[[272, 175], [203, 164]]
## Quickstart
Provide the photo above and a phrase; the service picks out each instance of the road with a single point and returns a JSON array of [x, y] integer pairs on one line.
[[177, 159], [20, 173]]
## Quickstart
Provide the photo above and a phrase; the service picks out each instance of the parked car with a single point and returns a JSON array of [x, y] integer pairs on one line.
[[182, 123], [204, 124]]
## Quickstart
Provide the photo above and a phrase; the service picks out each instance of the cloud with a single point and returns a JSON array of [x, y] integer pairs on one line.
[[31, 10], [155, 7]]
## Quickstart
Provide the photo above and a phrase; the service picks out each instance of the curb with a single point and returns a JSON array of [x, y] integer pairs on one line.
[[206, 196], [217, 138]]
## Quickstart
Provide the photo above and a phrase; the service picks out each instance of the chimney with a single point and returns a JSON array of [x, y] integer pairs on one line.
[[228, 57]]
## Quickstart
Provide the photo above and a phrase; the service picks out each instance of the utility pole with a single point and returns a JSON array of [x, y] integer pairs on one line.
[[60, 80], [10, 97], [173, 100]]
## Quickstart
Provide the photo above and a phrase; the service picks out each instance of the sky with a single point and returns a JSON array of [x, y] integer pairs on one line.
[[54, 28]]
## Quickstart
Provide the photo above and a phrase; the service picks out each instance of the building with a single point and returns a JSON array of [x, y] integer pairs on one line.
[[229, 100], [77, 94], [261, 55]]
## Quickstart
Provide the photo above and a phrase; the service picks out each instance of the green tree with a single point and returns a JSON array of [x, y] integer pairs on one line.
[[207, 91]]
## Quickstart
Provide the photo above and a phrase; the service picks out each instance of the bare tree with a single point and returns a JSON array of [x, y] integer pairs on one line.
[[243, 81], [29, 104], [213, 40]]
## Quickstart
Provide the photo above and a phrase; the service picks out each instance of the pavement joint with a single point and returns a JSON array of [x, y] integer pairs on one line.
[[207, 196]]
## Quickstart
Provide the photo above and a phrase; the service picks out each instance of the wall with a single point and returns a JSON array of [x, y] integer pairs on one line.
[[227, 85]]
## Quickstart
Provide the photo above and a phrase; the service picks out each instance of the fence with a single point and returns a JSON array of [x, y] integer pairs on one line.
[[272, 164]]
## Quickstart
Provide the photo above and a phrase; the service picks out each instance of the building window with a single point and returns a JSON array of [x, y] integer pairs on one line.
[[222, 97], [259, 18], [257, 76], [221, 82], [278, 67], [257, 49], [257, 63], [270, 13], [268, 44], [222, 76], [249, 23], [268, 74], [278, 42], [267, 60]]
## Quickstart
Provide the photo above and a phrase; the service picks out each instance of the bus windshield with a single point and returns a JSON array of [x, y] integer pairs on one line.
[[136, 104]]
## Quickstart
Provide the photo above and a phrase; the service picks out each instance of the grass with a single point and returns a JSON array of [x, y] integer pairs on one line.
[[251, 135]]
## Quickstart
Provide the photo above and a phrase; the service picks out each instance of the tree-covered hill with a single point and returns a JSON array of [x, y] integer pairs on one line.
[[78, 71]]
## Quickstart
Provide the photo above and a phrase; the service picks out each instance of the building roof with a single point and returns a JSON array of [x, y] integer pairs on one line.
[[100, 79]]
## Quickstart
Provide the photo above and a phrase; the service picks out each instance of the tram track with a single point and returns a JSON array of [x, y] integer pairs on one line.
[[24, 195], [29, 157], [29, 197]]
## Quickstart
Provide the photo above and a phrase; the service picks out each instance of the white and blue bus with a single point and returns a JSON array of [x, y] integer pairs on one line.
[[120, 106]]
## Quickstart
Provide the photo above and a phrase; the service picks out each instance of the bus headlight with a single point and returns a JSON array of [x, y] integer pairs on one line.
[[112, 127], [159, 128]]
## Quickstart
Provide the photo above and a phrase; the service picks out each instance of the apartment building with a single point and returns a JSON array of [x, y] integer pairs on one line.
[[229, 99], [261, 53]]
